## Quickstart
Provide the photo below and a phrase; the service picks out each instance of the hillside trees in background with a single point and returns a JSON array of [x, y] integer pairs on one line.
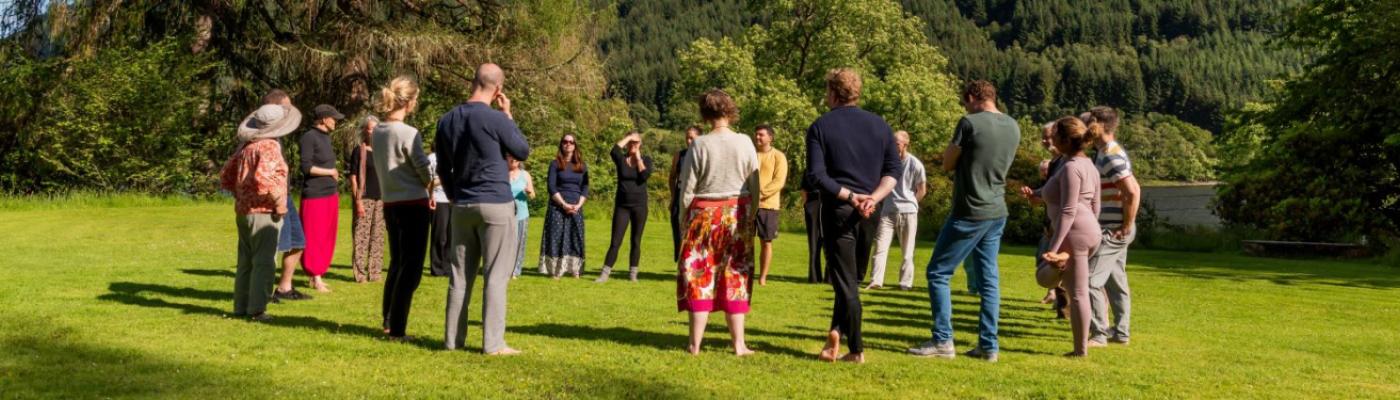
[[1324, 157], [335, 52]]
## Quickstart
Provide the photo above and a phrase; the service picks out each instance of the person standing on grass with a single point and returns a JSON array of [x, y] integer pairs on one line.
[[405, 183], [812, 219], [368, 258], [561, 248], [320, 196], [1055, 295], [1072, 203], [720, 188], [900, 214], [290, 239], [256, 174], [852, 157], [1108, 274], [671, 182], [630, 204], [522, 189], [772, 175], [983, 147], [440, 239], [473, 142]]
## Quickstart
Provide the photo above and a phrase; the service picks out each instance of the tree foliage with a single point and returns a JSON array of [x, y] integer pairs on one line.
[[1328, 151], [322, 51], [776, 71]]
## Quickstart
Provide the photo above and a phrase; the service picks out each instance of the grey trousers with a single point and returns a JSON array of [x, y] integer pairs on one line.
[[483, 236], [1108, 288], [257, 262]]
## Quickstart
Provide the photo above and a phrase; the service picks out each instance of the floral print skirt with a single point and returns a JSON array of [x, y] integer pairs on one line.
[[716, 268]]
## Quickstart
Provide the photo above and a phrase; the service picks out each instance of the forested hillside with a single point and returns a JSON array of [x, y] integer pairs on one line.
[[1192, 59]]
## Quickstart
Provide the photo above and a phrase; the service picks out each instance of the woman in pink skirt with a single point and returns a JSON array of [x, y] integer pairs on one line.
[[719, 186], [320, 198]]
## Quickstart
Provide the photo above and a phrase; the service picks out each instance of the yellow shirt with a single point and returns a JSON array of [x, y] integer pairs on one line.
[[772, 175]]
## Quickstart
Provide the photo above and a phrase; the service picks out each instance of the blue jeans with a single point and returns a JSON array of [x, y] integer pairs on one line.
[[977, 243]]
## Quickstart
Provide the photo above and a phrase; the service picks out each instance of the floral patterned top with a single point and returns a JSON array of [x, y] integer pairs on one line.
[[257, 176]]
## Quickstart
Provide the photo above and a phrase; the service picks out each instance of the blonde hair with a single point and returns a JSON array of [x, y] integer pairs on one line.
[[400, 93]]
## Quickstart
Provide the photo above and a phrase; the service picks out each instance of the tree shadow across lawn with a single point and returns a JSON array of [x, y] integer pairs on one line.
[[662, 341], [1239, 268], [61, 367], [135, 293], [230, 273]]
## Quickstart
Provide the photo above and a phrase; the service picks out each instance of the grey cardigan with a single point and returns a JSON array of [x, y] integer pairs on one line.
[[402, 165]]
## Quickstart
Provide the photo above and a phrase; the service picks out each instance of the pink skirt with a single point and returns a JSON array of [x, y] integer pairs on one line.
[[320, 218]]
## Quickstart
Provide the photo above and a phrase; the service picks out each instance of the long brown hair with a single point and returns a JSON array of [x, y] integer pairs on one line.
[[1073, 133], [577, 163]]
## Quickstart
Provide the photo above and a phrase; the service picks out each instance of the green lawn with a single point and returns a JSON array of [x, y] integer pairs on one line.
[[132, 302]]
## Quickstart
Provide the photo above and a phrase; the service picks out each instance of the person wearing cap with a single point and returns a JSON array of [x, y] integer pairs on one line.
[[256, 174], [320, 198]]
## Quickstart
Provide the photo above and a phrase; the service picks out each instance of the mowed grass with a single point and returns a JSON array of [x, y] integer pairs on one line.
[[131, 302]]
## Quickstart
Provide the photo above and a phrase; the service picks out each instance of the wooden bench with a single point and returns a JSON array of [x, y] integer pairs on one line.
[[1271, 248]]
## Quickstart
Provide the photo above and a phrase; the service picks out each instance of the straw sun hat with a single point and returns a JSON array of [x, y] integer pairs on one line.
[[270, 121]]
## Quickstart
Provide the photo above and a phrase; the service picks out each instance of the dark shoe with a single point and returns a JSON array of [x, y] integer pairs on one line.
[[260, 317], [977, 352], [934, 349], [289, 295]]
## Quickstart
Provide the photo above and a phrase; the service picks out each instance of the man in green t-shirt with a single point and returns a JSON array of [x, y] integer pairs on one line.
[[981, 152]]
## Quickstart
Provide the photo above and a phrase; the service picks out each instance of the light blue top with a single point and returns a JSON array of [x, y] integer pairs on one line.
[[522, 203]]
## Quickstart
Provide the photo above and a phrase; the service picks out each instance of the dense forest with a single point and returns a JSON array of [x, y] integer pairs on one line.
[[1191, 59]]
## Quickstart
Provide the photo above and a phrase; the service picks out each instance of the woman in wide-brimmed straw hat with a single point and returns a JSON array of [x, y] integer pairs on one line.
[[256, 174]]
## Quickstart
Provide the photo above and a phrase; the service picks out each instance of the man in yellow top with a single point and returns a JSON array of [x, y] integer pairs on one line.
[[772, 175]]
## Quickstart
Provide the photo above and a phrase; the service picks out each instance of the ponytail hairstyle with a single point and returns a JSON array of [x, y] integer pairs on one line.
[[1071, 133], [401, 93], [560, 160]]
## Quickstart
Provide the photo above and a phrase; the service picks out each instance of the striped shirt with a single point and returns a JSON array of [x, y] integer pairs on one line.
[[1113, 164]]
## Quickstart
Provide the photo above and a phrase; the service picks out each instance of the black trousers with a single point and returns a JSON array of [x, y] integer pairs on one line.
[[847, 238], [439, 263], [622, 216], [812, 214], [407, 225], [676, 228]]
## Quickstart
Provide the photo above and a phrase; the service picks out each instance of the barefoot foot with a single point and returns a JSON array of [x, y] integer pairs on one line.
[[832, 348], [857, 358], [504, 352]]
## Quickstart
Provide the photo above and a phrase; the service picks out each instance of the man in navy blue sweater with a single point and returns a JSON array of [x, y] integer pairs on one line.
[[852, 159], [472, 142]]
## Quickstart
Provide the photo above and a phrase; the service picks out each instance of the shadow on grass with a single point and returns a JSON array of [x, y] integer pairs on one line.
[[136, 294], [60, 367], [229, 273], [51, 363], [661, 341], [1239, 268]]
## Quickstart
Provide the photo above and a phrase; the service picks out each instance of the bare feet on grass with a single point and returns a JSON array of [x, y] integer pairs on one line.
[[832, 348], [504, 352], [857, 358]]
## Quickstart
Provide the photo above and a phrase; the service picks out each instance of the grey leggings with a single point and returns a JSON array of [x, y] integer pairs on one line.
[[522, 227]]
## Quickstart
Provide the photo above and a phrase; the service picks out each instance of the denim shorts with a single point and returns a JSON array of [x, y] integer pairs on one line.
[[291, 237]]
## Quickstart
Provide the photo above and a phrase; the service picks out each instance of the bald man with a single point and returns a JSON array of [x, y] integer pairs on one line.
[[900, 216], [472, 142]]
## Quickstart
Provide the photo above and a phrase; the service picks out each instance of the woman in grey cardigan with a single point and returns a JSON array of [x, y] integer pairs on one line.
[[405, 182]]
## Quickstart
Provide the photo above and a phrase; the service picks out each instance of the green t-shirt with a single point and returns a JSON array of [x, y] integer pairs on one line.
[[988, 142]]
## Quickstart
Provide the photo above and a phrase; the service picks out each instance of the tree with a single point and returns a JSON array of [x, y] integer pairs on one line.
[[1327, 168], [321, 51], [776, 72]]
